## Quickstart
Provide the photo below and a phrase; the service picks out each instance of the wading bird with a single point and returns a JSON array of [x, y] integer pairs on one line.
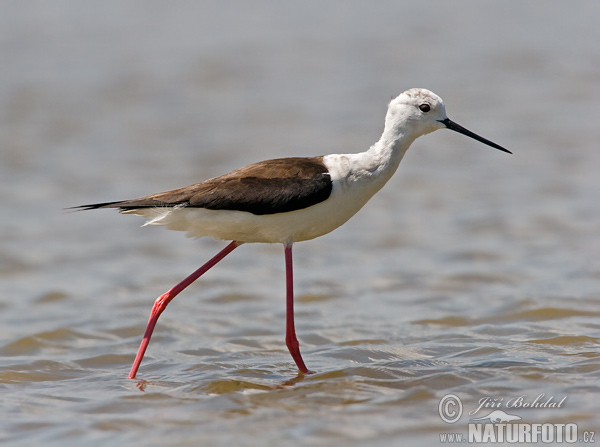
[[288, 200]]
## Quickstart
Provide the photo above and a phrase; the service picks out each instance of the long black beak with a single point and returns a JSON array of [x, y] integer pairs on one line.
[[460, 129]]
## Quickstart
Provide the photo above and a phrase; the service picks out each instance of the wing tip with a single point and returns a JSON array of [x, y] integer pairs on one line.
[[94, 206]]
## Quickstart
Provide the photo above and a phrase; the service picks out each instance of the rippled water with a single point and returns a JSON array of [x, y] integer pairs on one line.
[[473, 273]]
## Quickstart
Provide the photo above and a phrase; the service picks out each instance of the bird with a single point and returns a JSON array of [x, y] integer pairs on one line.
[[287, 200]]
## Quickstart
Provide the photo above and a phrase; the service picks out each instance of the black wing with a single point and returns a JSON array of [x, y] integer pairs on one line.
[[268, 187]]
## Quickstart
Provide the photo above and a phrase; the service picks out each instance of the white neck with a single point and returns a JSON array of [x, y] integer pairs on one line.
[[385, 155], [375, 166], [356, 178], [362, 175]]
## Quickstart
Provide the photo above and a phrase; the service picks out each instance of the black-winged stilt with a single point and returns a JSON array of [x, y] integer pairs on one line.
[[288, 200]]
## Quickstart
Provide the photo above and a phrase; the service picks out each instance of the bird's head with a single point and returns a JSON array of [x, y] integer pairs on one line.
[[418, 111]]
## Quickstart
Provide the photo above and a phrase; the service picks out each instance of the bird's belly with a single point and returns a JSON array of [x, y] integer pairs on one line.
[[293, 226]]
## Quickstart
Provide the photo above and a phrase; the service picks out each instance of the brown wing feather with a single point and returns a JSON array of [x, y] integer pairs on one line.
[[267, 187]]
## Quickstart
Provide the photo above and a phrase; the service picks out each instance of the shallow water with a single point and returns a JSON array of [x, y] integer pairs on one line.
[[472, 273]]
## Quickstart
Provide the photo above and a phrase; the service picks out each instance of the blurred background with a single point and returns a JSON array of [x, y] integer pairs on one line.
[[472, 272]]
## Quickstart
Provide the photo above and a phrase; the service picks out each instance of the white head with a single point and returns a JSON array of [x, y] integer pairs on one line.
[[417, 112]]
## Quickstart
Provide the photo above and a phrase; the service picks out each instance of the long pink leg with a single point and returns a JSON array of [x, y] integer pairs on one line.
[[290, 331], [161, 303]]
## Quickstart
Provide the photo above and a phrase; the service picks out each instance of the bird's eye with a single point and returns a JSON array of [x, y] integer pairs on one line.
[[425, 108]]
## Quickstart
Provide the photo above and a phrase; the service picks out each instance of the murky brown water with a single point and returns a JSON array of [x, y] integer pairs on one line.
[[473, 273]]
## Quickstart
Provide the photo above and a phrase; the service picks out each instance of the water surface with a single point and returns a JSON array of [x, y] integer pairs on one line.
[[471, 273]]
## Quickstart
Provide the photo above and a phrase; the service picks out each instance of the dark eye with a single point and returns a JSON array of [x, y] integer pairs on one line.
[[425, 108]]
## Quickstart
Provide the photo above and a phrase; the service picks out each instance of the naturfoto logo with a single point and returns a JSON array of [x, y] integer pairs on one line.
[[495, 425]]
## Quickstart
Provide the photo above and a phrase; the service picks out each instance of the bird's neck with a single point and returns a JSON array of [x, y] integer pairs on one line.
[[382, 159], [367, 172], [357, 177]]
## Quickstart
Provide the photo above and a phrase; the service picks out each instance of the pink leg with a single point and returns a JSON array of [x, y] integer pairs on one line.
[[290, 331], [161, 303]]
